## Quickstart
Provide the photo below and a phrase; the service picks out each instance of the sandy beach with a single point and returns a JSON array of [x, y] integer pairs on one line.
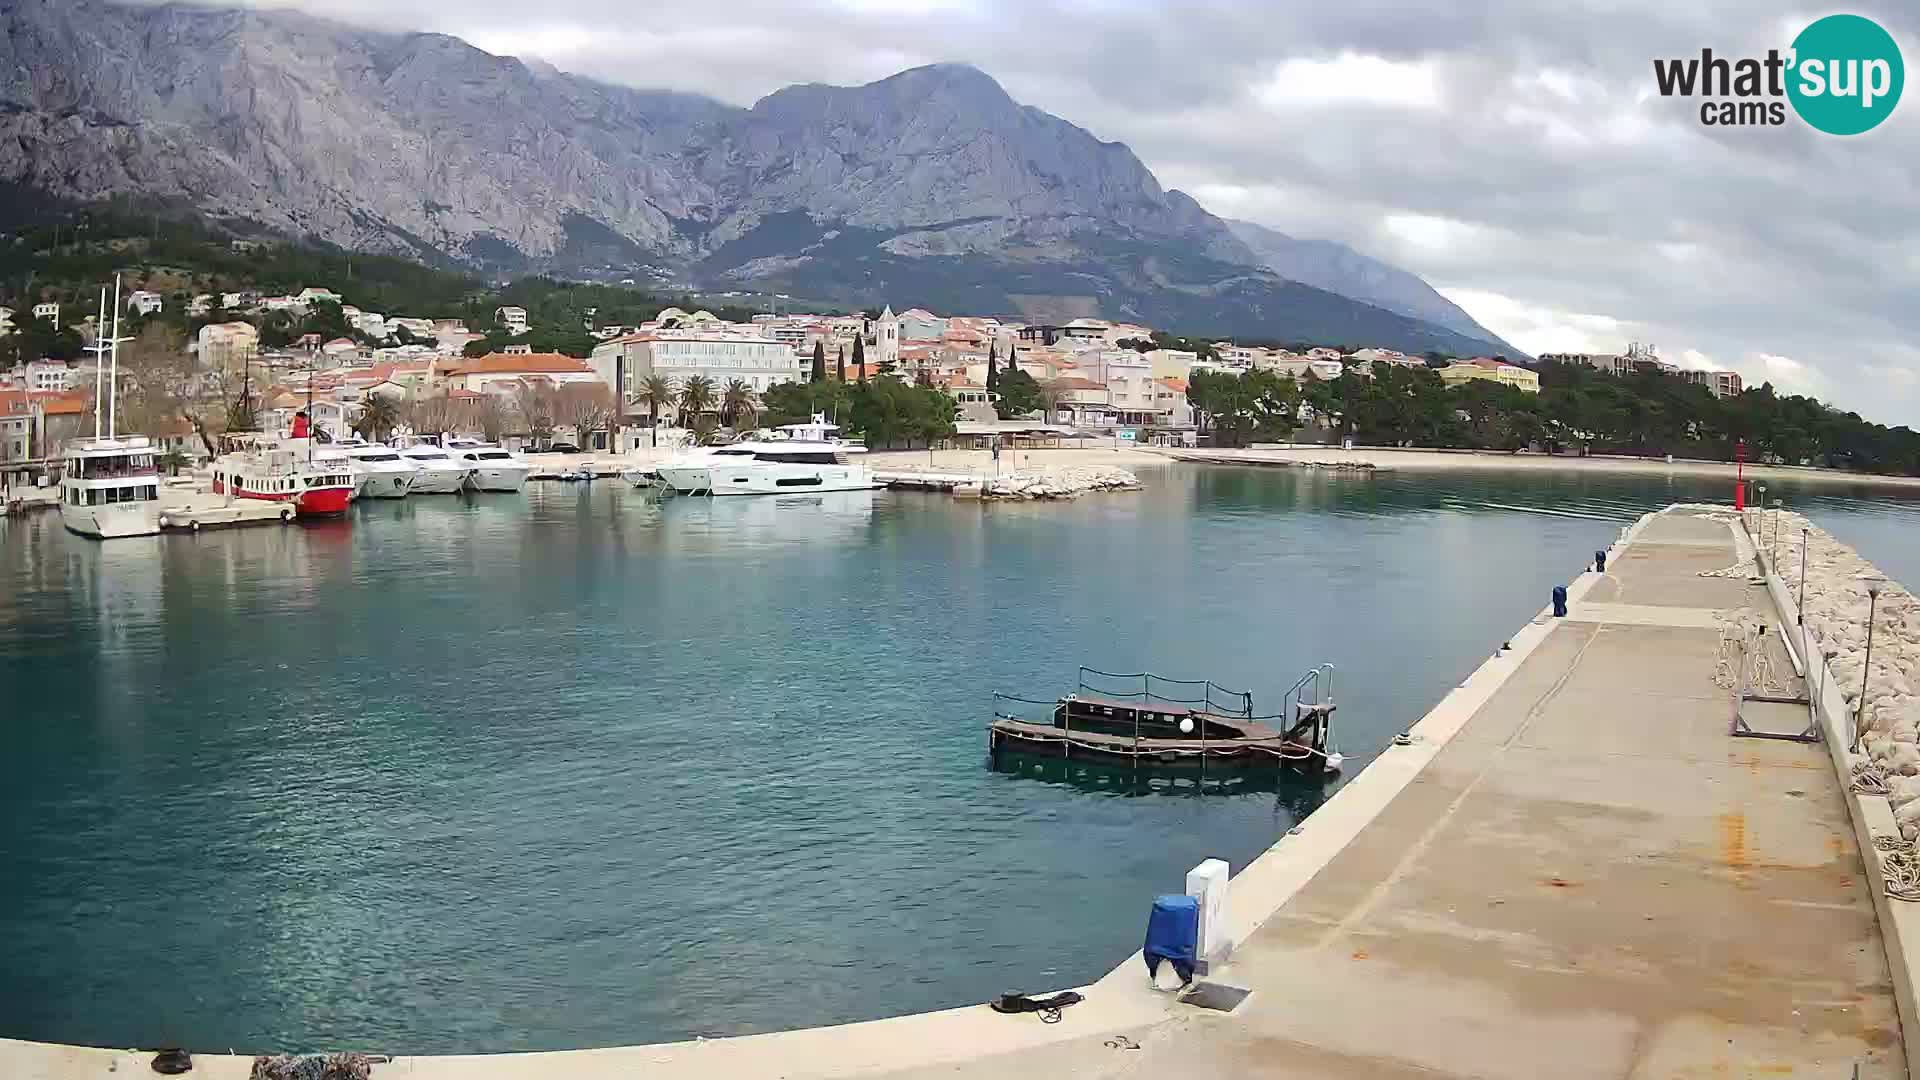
[[1454, 461]]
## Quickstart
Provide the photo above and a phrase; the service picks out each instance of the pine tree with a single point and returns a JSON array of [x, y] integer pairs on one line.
[[819, 362], [841, 364], [860, 356], [993, 366]]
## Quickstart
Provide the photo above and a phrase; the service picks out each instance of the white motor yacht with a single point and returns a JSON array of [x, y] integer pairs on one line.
[[434, 470], [491, 467], [379, 472], [796, 458]]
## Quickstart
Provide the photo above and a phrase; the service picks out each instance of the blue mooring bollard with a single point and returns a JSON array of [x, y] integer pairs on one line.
[[1599, 562], [1559, 601]]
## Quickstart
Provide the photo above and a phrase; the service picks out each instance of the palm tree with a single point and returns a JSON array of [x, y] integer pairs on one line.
[[696, 397], [736, 400], [656, 393], [378, 417]]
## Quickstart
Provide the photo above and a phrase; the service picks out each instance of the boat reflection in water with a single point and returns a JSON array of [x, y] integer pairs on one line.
[[1300, 793], [832, 517]]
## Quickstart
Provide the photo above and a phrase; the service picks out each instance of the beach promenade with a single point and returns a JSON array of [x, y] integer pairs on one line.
[[1567, 868]]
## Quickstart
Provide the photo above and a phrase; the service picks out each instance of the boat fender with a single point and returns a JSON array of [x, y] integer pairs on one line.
[[194, 525], [286, 513]]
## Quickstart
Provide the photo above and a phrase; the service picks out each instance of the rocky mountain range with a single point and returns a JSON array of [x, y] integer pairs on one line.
[[931, 188]]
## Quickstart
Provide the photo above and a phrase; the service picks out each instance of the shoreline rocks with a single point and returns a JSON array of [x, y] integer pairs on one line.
[[1835, 609], [1070, 483]]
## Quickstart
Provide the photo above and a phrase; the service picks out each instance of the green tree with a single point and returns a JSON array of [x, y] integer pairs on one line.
[[379, 415], [736, 402], [819, 362], [840, 365], [860, 355], [696, 398], [656, 392], [1018, 395], [993, 368]]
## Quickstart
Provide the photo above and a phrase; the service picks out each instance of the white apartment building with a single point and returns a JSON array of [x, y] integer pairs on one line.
[[1610, 363], [49, 312], [721, 355], [46, 376], [1172, 363], [514, 319], [228, 346], [1299, 367], [6, 321], [144, 302]]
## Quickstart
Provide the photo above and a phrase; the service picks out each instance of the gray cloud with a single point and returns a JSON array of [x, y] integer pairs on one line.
[[1514, 154]]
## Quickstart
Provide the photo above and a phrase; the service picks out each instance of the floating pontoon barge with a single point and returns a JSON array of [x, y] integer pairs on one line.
[[1162, 724]]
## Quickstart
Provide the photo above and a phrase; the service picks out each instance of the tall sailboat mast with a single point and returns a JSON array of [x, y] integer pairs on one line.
[[113, 363], [99, 349]]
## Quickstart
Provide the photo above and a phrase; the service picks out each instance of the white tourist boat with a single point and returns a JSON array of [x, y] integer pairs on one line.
[[313, 479], [379, 472], [491, 468], [796, 458], [434, 470], [109, 484], [110, 487]]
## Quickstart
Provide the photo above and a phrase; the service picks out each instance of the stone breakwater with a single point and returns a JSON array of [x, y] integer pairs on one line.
[[1835, 612], [1070, 483]]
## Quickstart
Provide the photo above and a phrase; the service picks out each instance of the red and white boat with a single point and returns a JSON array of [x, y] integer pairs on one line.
[[314, 479]]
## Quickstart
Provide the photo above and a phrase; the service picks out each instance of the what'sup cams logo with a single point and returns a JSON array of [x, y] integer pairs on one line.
[[1843, 76]]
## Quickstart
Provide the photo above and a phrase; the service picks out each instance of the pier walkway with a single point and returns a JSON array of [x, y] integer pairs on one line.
[[1571, 869], [1591, 879]]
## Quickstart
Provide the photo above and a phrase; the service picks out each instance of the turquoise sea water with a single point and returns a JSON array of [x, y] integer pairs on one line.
[[571, 769]]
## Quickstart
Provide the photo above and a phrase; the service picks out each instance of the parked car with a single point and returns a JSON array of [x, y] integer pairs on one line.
[[562, 448]]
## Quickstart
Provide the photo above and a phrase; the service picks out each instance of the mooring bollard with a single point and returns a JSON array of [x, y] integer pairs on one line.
[[1207, 884], [1559, 601], [1599, 562]]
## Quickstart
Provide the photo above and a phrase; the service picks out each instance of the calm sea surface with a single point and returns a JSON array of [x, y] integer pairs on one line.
[[571, 769]]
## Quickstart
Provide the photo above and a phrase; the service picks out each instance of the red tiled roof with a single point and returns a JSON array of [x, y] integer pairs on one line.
[[1172, 383], [67, 403], [511, 364], [1073, 382]]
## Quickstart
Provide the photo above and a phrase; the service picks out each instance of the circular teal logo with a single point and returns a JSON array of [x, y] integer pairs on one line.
[[1846, 76]]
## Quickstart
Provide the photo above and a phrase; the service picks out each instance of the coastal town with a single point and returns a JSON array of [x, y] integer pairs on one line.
[[682, 377]]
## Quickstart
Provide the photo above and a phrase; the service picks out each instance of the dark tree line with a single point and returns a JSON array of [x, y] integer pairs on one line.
[[1578, 409]]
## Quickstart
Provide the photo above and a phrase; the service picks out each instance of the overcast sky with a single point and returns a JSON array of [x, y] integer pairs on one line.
[[1513, 154]]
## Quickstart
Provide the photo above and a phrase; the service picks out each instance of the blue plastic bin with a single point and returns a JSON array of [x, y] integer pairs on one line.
[[1172, 933]]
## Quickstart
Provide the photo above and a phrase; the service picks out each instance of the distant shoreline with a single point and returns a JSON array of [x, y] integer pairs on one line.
[[1418, 460]]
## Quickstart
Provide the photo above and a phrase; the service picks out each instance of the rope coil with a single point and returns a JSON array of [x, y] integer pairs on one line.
[[1870, 778]]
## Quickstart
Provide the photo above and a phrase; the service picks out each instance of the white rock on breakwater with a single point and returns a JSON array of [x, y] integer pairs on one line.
[[1835, 611], [1068, 483]]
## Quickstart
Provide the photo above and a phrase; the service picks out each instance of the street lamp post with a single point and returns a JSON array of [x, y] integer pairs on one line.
[[1773, 546], [1800, 604], [1860, 707], [1761, 491]]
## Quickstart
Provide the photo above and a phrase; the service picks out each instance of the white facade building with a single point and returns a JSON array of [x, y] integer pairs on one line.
[[886, 339], [49, 312], [513, 318], [718, 354], [144, 302], [46, 376]]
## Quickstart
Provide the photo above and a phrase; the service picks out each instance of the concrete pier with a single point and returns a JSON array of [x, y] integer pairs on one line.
[[1568, 868], [1591, 878]]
